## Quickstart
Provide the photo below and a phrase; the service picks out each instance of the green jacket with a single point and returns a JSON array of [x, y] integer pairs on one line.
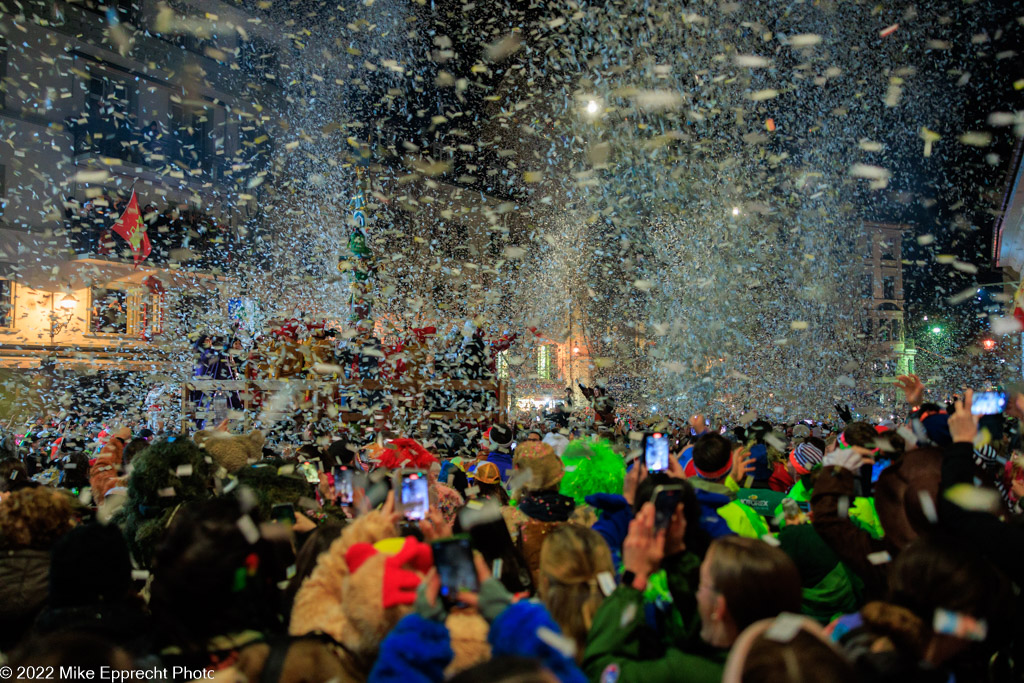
[[743, 520], [621, 647], [862, 512], [828, 587]]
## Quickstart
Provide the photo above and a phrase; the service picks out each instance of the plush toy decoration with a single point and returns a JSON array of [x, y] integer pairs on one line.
[[405, 453], [399, 584], [230, 451], [364, 584]]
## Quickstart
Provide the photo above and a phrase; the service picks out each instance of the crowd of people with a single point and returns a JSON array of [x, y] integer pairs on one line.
[[554, 550]]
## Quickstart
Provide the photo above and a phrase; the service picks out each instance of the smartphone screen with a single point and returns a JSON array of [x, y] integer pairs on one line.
[[415, 498], [656, 452], [988, 403], [283, 513], [344, 485], [453, 558], [666, 499], [491, 538]]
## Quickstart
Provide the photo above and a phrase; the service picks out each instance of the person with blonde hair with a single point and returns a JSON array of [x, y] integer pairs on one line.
[[571, 560]]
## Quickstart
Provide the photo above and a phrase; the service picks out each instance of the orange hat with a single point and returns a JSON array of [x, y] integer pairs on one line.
[[487, 473]]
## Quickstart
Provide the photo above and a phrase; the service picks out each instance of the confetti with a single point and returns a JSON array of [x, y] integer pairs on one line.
[[880, 557]]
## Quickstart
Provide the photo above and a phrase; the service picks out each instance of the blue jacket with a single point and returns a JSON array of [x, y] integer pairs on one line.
[[504, 463], [417, 650], [613, 523], [710, 520], [762, 470]]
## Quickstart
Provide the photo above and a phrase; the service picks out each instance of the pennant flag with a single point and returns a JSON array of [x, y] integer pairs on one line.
[[133, 230]]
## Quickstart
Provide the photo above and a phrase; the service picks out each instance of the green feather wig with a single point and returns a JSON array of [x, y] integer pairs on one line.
[[591, 466]]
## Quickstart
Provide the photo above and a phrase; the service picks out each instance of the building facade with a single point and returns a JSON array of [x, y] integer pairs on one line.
[[881, 245], [101, 100]]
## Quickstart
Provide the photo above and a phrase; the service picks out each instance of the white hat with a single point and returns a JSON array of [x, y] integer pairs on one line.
[[557, 442]]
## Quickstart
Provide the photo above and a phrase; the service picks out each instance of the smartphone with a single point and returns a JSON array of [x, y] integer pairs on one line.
[[453, 558], [490, 537], [656, 452], [413, 497], [666, 498], [344, 487], [988, 403], [283, 513]]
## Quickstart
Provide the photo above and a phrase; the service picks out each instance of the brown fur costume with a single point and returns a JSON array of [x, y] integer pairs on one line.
[[230, 451], [348, 606]]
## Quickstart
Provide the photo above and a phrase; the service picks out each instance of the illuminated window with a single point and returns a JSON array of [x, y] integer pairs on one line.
[[501, 361], [544, 362], [109, 311], [6, 304]]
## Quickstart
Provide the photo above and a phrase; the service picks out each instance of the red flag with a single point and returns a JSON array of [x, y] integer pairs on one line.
[[1018, 304], [133, 230]]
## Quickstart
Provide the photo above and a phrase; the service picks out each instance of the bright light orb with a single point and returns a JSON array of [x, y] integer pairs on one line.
[[735, 211], [592, 107]]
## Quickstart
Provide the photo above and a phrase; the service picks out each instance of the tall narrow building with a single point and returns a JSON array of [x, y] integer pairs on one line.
[[882, 282]]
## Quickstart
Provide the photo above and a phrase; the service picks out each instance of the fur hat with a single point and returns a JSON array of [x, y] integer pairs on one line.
[[170, 472], [405, 453], [557, 441], [274, 483], [540, 461], [346, 601], [230, 451]]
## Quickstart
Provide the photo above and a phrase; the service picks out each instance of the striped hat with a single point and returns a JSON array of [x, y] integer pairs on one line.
[[804, 457]]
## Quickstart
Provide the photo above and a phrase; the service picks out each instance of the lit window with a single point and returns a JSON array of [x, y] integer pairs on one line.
[[501, 361], [109, 314], [6, 304], [544, 362]]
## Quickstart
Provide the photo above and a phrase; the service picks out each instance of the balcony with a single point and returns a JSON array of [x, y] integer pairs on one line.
[[191, 238], [177, 153]]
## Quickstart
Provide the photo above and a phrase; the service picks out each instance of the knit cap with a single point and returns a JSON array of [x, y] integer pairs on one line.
[[804, 457]]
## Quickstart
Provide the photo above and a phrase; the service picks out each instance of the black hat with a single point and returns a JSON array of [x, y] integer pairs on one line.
[[500, 436]]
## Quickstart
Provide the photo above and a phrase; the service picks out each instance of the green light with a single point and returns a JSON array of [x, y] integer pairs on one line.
[[936, 330]]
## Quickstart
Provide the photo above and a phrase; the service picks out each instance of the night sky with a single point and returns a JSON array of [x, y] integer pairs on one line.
[[955, 195]]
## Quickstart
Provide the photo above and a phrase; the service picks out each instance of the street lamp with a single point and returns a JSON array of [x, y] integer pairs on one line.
[[59, 323], [591, 106], [936, 330]]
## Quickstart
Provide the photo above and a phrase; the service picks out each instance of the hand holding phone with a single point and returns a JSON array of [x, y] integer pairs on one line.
[[283, 513], [344, 486], [656, 452], [453, 558], [666, 499], [413, 494], [988, 403]]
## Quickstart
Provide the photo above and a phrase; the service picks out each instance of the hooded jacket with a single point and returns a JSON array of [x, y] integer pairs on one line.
[[722, 515], [620, 647], [24, 587]]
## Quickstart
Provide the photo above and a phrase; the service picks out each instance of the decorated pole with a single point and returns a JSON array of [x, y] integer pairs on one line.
[[358, 261]]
